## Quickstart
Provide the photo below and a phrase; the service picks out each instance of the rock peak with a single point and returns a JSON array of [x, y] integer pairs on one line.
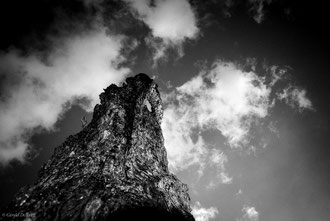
[[114, 169], [137, 92]]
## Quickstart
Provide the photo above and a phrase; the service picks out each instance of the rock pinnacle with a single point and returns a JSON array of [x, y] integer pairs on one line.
[[115, 168]]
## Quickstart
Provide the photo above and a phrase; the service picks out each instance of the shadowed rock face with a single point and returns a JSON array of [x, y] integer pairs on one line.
[[114, 169]]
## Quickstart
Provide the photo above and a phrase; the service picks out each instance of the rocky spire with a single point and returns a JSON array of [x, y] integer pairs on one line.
[[114, 169]]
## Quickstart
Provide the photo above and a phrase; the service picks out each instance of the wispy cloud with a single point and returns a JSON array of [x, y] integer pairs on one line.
[[257, 9], [249, 214], [203, 214], [296, 97], [218, 160], [171, 23], [224, 98], [38, 88]]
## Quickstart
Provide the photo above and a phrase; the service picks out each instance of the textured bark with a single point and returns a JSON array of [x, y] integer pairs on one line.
[[114, 169]]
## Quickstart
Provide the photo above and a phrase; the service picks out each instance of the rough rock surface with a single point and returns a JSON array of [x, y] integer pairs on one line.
[[114, 169]]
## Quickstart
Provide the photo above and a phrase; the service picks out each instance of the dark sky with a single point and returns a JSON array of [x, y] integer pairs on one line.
[[244, 85]]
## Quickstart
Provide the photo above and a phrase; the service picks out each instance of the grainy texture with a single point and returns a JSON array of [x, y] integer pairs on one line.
[[114, 169]]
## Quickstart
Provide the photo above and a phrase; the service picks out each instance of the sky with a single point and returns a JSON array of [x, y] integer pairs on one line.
[[244, 85]]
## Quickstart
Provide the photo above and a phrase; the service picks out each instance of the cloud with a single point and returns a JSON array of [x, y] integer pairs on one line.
[[229, 100], [37, 89], [224, 98], [171, 23], [296, 98], [257, 8], [218, 160], [250, 214], [203, 214]]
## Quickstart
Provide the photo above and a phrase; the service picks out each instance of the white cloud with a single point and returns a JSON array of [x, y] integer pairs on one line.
[[37, 90], [296, 98], [171, 23], [171, 20], [226, 99], [250, 214], [203, 214], [218, 159], [177, 129], [257, 8]]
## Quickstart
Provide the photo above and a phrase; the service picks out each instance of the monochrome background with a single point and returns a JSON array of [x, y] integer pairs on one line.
[[244, 86]]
